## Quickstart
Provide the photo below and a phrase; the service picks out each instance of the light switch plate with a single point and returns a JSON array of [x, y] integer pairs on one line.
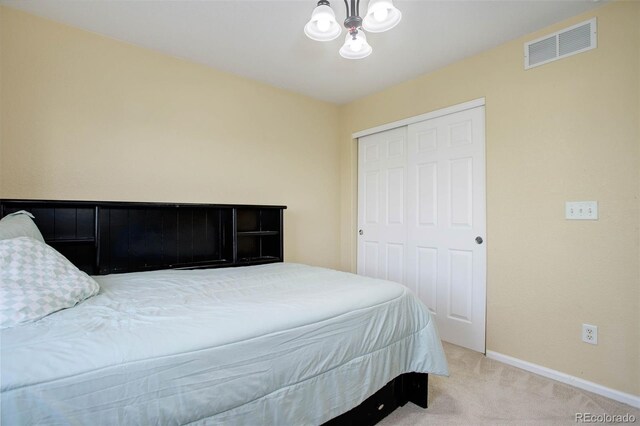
[[581, 210]]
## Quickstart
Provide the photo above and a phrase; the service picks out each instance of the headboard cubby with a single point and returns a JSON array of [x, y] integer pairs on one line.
[[105, 237]]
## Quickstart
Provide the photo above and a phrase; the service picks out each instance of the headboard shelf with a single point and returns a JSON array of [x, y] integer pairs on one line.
[[104, 237], [71, 240], [254, 233]]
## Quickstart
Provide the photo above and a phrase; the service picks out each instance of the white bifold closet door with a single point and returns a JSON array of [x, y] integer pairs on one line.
[[421, 213]]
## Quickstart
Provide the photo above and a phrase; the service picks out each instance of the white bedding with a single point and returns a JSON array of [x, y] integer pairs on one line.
[[273, 344]]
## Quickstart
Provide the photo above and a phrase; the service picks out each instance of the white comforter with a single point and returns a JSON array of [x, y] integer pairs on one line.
[[274, 344]]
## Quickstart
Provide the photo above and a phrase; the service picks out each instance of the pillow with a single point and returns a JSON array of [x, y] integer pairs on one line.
[[19, 224], [36, 281]]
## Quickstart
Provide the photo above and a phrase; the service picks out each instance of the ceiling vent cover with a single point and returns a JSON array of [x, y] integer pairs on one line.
[[569, 41]]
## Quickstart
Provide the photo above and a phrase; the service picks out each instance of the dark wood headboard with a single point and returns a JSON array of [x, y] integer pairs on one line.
[[106, 237]]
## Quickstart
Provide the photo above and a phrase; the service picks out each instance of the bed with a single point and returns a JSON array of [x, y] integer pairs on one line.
[[267, 343]]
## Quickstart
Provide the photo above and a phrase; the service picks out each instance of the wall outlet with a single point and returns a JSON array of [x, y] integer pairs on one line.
[[590, 334]]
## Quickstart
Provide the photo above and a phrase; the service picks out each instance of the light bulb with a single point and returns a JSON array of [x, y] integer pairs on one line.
[[380, 14], [356, 44], [357, 48], [323, 24]]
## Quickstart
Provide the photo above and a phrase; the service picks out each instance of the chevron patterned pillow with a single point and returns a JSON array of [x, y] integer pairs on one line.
[[36, 280]]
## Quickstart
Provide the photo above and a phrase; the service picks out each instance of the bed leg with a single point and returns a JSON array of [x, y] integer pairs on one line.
[[415, 388]]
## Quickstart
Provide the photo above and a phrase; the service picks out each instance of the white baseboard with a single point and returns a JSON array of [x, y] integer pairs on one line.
[[623, 397]]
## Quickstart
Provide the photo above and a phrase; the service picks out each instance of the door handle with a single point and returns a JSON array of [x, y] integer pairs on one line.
[[479, 240], [361, 232]]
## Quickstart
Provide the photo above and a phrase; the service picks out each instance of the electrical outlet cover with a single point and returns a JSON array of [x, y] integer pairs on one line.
[[590, 334]]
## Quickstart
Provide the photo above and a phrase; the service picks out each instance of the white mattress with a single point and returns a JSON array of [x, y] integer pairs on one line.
[[273, 344]]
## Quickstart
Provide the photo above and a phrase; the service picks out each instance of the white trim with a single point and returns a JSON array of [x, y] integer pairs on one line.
[[617, 395], [418, 118]]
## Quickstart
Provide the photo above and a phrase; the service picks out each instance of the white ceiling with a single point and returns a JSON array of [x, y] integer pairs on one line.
[[263, 39]]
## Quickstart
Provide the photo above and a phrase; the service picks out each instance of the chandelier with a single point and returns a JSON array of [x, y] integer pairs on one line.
[[381, 16]]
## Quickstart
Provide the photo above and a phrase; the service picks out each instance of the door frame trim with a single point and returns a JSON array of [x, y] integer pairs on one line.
[[423, 117]]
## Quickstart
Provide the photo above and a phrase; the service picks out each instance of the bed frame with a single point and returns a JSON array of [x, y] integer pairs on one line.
[[105, 237], [409, 387]]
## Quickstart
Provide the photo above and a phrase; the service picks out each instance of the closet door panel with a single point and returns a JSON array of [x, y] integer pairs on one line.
[[382, 213], [446, 212]]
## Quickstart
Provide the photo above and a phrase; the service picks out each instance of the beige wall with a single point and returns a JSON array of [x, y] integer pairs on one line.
[[564, 131], [88, 117]]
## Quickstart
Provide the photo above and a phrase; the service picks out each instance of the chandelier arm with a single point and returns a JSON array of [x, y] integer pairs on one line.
[[353, 21], [358, 7], [346, 5]]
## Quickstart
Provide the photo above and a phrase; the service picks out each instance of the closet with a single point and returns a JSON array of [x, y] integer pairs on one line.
[[422, 215]]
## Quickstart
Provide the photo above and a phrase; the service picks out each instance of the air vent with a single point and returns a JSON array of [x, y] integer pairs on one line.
[[569, 41]]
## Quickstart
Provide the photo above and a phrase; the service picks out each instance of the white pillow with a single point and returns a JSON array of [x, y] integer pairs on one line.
[[36, 280], [19, 224]]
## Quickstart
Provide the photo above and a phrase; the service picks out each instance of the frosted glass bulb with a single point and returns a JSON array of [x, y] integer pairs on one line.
[[357, 48], [380, 14], [323, 24], [356, 44]]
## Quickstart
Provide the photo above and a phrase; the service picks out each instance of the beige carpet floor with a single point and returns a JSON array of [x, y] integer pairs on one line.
[[481, 391]]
